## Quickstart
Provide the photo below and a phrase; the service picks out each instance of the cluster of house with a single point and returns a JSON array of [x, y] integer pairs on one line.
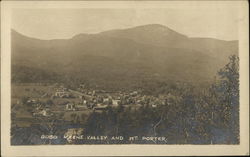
[[100, 101], [62, 92], [40, 109]]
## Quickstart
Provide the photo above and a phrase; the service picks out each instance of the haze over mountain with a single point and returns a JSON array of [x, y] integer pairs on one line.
[[134, 56]]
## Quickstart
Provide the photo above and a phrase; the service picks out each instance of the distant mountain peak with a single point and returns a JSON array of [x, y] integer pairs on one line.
[[81, 35], [147, 27], [159, 26]]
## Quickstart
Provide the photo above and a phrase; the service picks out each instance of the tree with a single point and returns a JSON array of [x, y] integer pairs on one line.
[[228, 89]]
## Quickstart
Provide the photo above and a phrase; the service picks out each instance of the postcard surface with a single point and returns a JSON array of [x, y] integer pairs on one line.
[[120, 78]]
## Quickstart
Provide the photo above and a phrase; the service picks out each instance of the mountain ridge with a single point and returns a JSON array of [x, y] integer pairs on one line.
[[142, 53], [132, 27]]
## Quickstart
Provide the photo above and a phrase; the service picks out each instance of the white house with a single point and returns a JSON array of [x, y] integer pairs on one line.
[[116, 102], [43, 112], [70, 107]]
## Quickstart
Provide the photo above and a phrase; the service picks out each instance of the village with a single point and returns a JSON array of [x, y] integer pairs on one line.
[[54, 105], [84, 100]]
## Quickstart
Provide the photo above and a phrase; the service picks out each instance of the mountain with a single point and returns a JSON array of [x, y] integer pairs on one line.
[[122, 58], [160, 35], [153, 34]]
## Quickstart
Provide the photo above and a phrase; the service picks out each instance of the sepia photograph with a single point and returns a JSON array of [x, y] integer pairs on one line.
[[126, 74]]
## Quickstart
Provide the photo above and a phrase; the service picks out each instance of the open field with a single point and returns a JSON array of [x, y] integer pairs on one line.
[[30, 90], [42, 94]]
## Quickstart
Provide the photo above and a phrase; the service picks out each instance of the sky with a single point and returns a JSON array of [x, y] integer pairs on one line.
[[65, 23]]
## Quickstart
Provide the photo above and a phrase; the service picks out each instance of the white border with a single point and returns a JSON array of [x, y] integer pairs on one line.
[[125, 150]]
